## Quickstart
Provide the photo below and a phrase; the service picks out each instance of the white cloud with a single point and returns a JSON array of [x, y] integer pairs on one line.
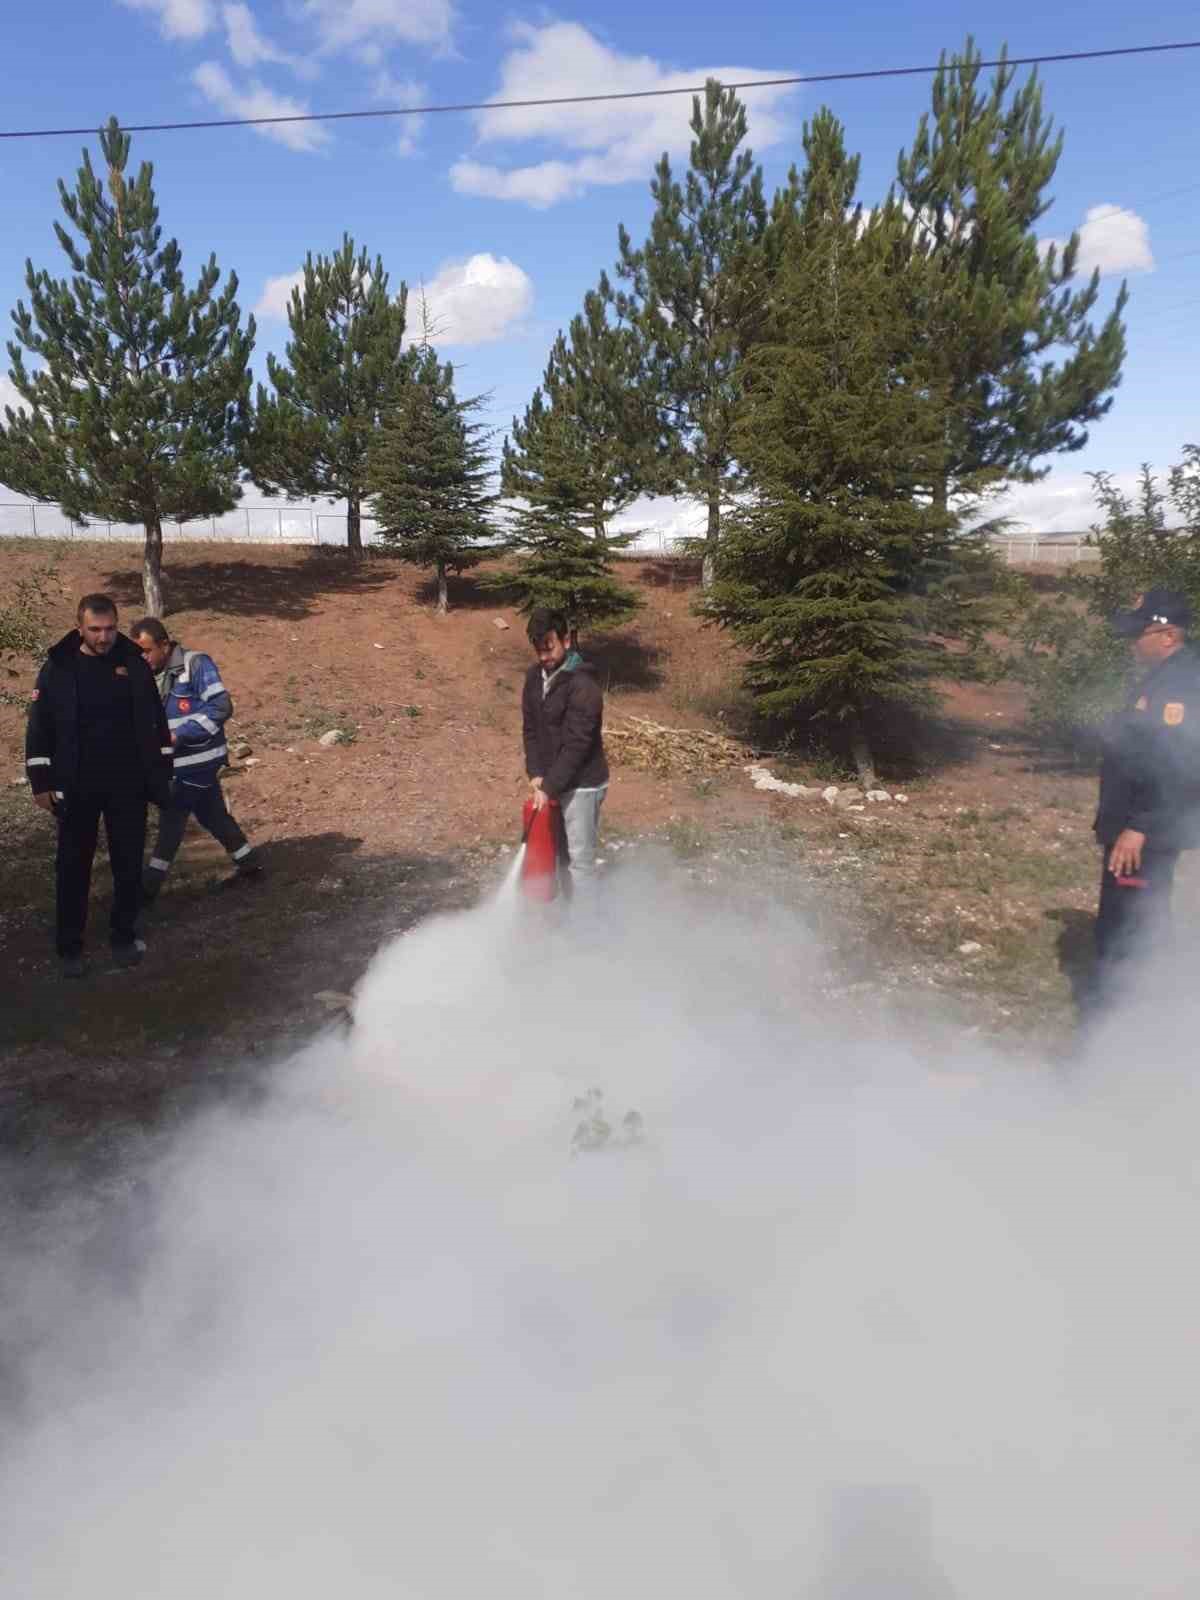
[[617, 141], [276, 296], [477, 300], [1111, 239], [368, 27], [9, 396], [401, 92], [256, 100], [248, 47], [179, 19], [1064, 502]]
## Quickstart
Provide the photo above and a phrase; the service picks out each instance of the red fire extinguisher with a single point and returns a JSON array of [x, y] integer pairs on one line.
[[539, 870]]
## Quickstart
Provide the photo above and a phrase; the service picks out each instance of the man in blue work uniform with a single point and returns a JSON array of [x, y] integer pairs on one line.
[[1149, 785], [197, 705]]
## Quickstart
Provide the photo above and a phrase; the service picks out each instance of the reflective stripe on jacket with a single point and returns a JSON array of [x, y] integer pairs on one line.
[[198, 706]]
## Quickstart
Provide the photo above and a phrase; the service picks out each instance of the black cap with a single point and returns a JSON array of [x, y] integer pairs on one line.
[[1161, 607]]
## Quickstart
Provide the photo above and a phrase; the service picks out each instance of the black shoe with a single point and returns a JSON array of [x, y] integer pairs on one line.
[[152, 883], [73, 967], [250, 867], [129, 955]]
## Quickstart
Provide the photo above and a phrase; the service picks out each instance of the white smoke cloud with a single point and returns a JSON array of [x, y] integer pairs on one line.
[[865, 1313]]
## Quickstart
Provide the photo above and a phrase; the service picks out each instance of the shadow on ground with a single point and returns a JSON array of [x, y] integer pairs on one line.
[[625, 661], [1076, 949], [288, 591], [231, 975]]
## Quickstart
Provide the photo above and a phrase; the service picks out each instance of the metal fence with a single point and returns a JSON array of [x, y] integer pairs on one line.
[[1035, 552], [276, 524], [306, 525]]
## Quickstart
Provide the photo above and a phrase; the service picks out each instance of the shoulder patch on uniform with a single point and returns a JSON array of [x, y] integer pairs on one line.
[[1173, 713], [1143, 704], [120, 672]]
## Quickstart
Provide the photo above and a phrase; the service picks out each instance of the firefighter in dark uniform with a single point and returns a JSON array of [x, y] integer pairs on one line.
[[1149, 785], [97, 745]]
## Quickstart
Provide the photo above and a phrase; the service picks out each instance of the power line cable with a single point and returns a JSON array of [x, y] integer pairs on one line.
[[599, 99]]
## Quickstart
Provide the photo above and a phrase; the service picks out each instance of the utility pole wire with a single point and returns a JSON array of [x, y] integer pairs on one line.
[[598, 99]]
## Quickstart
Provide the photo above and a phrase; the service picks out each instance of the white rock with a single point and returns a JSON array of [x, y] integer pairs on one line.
[[334, 1000], [971, 948], [900, 799], [830, 795], [878, 796], [252, 761], [499, 622], [334, 736], [376, 647]]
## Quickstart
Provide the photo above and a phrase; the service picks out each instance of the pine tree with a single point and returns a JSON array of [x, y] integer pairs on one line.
[[558, 524], [136, 406], [693, 294], [836, 572], [344, 374], [1008, 342], [429, 473]]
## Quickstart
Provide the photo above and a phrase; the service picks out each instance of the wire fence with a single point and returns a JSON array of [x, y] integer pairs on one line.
[[306, 525], [274, 524]]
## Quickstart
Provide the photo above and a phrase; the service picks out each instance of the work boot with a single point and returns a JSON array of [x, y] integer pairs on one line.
[[72, 967], [247, 870], [129, 955]]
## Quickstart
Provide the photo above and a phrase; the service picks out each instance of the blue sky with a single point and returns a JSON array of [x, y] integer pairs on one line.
[[508, 217]]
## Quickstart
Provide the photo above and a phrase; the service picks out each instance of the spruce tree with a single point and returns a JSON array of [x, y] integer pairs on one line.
[[429, 474], [693, 294], [135, 408], [558, 523], [1008, 342], [836, 572], [344, 372]]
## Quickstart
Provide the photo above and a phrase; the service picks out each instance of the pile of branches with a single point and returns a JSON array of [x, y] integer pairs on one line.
[[670, 752]]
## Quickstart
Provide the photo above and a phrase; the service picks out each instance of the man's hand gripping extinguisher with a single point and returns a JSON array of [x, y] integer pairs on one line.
[[543, 832]]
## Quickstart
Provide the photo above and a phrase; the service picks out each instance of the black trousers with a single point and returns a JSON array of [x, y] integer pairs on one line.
[[1134, 914], [124, 813], [207, 805]]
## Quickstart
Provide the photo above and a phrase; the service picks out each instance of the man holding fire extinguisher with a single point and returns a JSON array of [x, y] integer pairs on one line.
[[562, 715], [1149, 807]]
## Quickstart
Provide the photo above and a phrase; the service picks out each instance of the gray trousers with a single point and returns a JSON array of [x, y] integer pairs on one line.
[[207, 805], [581, 824]]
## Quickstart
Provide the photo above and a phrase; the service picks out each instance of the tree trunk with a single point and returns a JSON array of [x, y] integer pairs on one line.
[[152, 579], [443, 600], [861, 751], [354, 544], [713, 538], [941, 492]]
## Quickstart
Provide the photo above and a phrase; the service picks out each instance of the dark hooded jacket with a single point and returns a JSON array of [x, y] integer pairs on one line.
[[1150, 774], [562, 721], [53, 743]]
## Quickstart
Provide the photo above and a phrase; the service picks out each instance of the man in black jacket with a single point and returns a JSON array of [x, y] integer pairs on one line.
[[97, 745], [562, 715], [1149, 807]]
